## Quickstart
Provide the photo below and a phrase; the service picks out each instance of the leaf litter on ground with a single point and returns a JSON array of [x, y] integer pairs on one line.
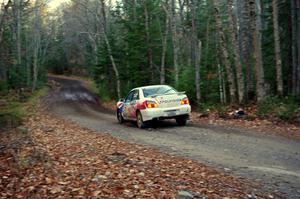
[[59, 159]]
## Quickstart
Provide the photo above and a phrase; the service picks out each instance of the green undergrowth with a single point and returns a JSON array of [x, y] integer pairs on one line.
[[286, 109], [15, 107], [272, 108]]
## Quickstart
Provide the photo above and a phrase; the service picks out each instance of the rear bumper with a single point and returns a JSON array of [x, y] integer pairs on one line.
[[166, 113]]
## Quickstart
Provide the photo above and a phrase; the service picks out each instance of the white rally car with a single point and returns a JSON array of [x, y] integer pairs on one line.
[[156, 102]]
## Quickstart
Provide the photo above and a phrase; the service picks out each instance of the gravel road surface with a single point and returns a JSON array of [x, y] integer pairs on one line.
[[271, 160]]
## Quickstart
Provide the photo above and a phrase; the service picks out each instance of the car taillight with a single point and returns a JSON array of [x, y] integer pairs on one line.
[[151, 104], [185, 101]]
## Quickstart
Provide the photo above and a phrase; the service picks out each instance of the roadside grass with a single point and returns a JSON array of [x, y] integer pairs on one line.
[[17, 107]]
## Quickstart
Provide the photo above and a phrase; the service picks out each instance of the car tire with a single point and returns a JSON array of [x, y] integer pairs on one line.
[[120, 117], [181, 121], [139, 120]]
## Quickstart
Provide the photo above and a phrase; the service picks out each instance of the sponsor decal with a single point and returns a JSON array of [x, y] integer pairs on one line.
[[168, 101]]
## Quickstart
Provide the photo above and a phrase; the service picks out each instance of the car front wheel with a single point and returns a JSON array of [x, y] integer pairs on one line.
[[120, 117]]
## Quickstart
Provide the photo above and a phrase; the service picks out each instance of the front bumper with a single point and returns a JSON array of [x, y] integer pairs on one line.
[[165, 113]]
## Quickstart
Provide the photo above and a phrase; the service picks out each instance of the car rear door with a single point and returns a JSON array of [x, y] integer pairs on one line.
[[126, 112], [133, 104]]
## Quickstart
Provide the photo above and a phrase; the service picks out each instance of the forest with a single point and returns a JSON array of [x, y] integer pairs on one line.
[[218, 51]]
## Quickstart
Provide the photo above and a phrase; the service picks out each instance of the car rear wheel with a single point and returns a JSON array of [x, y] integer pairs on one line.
[[120, 117], [181, 121], [139, 120]]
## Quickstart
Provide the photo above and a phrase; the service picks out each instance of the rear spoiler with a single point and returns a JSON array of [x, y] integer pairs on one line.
[[178, 93]]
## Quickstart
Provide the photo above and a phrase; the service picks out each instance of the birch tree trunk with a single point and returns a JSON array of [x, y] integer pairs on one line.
[[174, 41], [3, 19], [164, 46], [259, 70], [235, 45], [36, 44], [196, 51], [246, 40], [221, 85], [115, 69], [197, 70], [114, 65], [149, 49], [277, 49], [298, 47], [294, 45], [28, 62], [134, 10], [17, 12], [225, 54]]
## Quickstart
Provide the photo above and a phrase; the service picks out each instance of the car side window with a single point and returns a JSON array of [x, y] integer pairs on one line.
[[129, 97], [135, 95]]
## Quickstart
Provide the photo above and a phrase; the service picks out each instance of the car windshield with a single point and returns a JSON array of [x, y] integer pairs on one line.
[[159, 90]]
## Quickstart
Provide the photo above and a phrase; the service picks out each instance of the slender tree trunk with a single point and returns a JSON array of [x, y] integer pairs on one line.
[[294, 45], [181, 12], [115, 69], [298, 47], [114, 65], [225, 54], [18, 31], [277, 49], [246, 40], [95, 48], [134, 10], [3, 19], [207, 37], [221, 90], [149, 49], [197, 70], [163, 58], [164, 47], [235, 45], [36, 44], [196, 51], [259, 70], [174, 41], [28, 63], [94, 45], [181, 32], [35, 62]]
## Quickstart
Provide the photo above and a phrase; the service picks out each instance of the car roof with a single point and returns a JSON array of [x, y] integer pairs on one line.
[[151, 86]]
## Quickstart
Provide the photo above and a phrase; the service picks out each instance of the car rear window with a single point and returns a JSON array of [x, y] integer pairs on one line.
[[159, 90]]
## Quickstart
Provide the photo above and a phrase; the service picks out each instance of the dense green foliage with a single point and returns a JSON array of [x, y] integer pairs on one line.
[[183, 43], [23, 44], [285, 109], [135, 32]]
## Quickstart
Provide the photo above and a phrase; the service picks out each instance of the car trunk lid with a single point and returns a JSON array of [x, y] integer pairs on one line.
[[170, 100]]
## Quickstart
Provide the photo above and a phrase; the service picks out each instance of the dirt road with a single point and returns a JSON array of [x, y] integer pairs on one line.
[[273, 161]]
